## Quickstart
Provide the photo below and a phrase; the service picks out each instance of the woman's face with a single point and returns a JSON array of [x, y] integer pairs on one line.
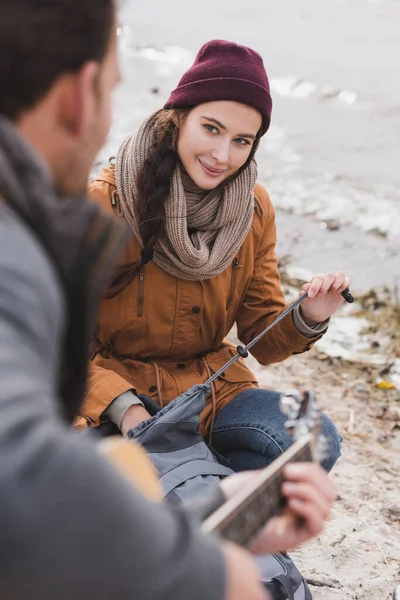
[[215, 140]]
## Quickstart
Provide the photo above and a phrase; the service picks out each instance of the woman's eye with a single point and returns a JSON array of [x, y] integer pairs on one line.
[[242, 142], [211, 128]]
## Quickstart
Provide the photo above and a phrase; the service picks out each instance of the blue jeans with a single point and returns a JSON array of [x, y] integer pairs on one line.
[[249, 432]]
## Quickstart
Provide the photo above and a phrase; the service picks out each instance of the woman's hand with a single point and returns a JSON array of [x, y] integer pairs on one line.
[[310, 495], [324, 296], [135, 415]]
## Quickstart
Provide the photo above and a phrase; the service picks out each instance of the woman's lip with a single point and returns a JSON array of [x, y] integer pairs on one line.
[[210, 171]]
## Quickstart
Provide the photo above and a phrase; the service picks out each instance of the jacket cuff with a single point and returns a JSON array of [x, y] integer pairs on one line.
[[118, 407], [302, 327]]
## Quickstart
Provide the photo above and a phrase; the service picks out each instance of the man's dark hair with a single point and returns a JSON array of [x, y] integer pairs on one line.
[[40, 40]]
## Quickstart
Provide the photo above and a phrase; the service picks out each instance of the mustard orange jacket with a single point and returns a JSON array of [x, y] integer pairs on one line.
[[161, 335]]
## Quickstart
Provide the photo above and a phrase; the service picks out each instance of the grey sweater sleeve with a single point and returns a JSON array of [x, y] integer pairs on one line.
[[118, 407], [305, 329], [70, 526]]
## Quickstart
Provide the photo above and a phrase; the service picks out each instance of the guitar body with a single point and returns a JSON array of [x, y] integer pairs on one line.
[[132, 462]]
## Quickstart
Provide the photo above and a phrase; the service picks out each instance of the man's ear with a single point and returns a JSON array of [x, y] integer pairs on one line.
[[78, 98]]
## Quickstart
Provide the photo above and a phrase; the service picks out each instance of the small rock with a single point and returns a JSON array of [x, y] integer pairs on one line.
[[393, 413], [393, 514], [387, 368], [361, 389], [330, 224]]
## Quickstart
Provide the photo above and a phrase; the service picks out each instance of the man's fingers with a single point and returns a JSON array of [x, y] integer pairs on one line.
[[314, 474], [308, 494], [234, 483], [313, 522]]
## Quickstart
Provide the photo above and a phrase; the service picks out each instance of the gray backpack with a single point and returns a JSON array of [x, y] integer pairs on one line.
[[187, 467], [282, 578]]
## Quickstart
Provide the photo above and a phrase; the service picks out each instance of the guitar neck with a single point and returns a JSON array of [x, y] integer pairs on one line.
[[242, 517]]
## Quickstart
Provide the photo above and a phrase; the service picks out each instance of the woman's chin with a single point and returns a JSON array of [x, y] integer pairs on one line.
[[204, 181]]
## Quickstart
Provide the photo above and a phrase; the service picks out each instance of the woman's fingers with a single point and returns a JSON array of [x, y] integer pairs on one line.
[[346, 284], [323, 283], [315, 285], [337, 284], [327, 283]]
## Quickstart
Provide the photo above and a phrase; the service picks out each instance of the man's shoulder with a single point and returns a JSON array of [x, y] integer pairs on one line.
[[25, 269]]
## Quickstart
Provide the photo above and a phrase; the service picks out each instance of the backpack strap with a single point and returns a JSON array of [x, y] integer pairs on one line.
[[190, 469], [286, 584]]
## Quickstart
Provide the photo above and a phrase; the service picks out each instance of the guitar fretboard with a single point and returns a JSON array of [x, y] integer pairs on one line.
[[241, 518]]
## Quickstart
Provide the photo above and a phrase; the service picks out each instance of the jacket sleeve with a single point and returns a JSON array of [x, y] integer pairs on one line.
[[104, 386], [264, 300], [71, 527]]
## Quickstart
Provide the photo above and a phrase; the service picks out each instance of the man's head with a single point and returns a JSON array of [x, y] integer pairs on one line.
[[58, 67]]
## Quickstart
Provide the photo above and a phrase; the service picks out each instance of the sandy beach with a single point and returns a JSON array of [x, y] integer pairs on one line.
[[358, 555]]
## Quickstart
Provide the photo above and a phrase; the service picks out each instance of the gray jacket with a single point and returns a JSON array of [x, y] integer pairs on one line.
[[70, 527]]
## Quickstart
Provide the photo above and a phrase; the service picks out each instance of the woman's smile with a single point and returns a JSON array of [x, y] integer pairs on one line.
[[211, 171]]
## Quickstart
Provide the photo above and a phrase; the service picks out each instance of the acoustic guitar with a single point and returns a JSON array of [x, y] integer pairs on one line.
[[241, 517]]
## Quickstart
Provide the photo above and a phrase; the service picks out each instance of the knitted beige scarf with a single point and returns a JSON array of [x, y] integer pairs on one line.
[[203, 230]]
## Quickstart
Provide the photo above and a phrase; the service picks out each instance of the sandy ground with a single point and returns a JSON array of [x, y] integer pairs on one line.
[[358, 555]]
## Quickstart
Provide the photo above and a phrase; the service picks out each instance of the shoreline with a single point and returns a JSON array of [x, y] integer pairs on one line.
[[369, 259]]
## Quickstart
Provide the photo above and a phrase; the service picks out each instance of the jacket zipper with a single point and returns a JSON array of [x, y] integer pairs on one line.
[[141, 294], [235, 265]]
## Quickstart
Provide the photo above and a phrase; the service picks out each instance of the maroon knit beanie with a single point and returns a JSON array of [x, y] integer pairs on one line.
[[225, 71]]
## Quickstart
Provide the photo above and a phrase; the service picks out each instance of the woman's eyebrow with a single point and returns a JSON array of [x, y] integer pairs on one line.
[[215, 121], [243, 135]]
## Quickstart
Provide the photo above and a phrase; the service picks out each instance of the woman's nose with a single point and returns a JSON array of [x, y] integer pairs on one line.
[[220, 152]]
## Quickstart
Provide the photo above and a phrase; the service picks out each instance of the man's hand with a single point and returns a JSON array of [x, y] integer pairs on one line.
[[243, 575], [134, 415], [310, 494]]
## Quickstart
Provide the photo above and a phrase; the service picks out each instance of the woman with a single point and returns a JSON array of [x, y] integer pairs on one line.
[[201, 257]]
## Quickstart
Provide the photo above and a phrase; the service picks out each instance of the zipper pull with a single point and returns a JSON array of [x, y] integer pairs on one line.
[[115, 203], [236, 264], [141, 275]]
